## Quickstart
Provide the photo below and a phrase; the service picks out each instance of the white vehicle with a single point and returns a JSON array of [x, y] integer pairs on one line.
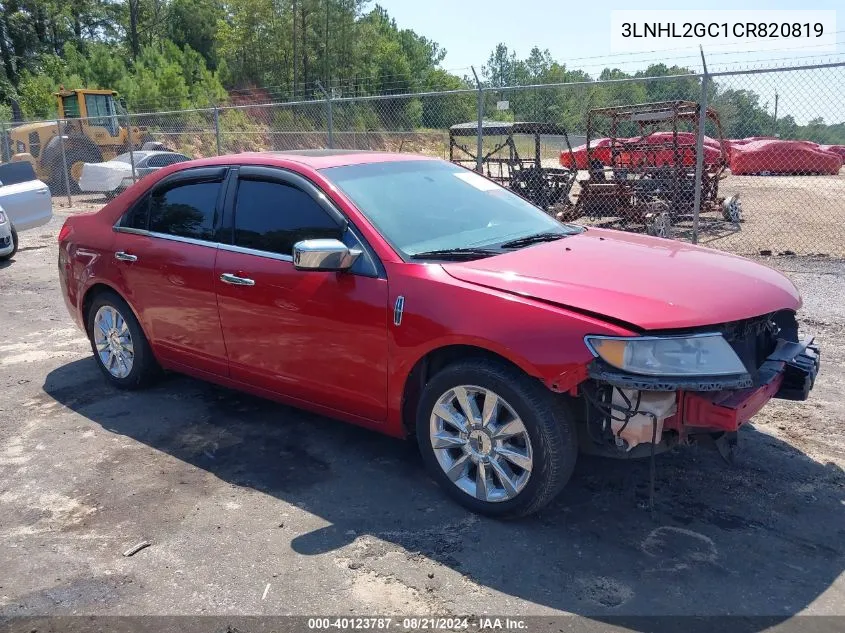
[[25, 202], [115, 174]]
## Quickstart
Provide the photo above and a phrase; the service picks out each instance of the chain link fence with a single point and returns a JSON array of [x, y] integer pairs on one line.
[[745, 161]]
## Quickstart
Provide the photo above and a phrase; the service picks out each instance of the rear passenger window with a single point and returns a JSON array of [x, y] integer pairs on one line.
[[138, 216], [185, 210], [272, 217]]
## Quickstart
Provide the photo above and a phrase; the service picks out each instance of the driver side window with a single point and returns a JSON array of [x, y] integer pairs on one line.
[[272, 217]]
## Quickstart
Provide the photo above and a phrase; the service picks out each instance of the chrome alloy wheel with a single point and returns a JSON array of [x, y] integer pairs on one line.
[[732, 209], [113, 342], [481, 443]]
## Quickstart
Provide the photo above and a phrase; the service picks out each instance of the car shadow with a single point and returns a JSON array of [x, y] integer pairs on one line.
[[765, 536]]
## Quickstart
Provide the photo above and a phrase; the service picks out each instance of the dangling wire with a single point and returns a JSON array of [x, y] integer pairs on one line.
[[607, 408], [652, 467]]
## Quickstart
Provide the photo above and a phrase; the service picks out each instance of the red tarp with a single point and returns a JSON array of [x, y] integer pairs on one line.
[[836, 149], [783, 157], [656, 155], [741, 142], [600, 149]]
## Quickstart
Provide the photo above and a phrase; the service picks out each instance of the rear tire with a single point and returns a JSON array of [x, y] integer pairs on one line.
[[120, 348], [514, 455], [8, 256]]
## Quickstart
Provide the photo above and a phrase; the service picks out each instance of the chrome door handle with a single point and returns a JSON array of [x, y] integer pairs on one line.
[[43, 192], [229, 278], [125, 257]]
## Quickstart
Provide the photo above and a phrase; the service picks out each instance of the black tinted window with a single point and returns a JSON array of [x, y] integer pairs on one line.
[[185, 210], [163, 160], [138, 215], [13, 173], [273, 217]]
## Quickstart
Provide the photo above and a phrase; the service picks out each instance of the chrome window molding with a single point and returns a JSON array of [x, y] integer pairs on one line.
[[253, 251], [209, 244], [166, 236]]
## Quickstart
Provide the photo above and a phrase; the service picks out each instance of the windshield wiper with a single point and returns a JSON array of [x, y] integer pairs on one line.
[[457, 254], [536, 238]]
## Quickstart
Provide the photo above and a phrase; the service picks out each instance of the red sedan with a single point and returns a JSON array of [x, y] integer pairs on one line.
[[414, 297]]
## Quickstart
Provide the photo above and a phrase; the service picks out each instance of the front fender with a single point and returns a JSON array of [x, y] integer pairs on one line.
[[545, 341]]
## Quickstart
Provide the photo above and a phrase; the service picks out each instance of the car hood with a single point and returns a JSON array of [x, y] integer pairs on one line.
[[650, 283]]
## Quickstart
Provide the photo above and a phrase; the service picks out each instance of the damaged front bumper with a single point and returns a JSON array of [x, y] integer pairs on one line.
[[789, 373], [704, 405]]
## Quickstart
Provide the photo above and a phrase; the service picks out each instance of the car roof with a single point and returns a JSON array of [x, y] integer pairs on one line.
[[325, 158], [309, 159], [141, 154]]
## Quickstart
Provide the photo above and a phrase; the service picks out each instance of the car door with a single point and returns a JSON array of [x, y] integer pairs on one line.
[[311, 335], [165, 250], [25, 199]]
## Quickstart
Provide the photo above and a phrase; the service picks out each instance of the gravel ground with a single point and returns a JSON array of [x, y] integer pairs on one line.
[[801, 215], [256, 508]]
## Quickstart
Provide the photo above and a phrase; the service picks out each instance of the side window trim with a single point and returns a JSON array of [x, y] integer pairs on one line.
[[254, 251]]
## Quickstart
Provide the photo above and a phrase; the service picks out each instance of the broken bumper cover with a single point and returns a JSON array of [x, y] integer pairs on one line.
[[725, 403]]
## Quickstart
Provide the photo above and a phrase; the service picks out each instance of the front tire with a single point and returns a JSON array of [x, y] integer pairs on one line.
[[495, 439], [119, 345]]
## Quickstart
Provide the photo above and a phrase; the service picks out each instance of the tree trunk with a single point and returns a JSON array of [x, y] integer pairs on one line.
[[295, 60], [5, 53], [134, 44], [303, 25], [326, 64]]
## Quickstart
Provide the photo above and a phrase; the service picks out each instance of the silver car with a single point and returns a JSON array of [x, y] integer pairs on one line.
[[25, 203], [115, 174]]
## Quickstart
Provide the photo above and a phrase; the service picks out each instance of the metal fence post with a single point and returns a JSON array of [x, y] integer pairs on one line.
[[329, 122], [479, 159], [217, 128], [129, 143], [65, 169], [699, 151]]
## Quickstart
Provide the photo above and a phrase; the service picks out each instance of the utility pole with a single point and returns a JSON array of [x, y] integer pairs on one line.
[[699, 147]]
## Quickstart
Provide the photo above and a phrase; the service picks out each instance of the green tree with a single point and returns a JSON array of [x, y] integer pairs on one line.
[[193, 24]]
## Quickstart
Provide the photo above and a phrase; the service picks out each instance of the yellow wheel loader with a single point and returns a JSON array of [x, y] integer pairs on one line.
[[93, 129]]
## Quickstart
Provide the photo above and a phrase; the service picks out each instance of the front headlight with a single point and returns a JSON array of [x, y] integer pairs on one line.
[[3, 218], [693, 355]]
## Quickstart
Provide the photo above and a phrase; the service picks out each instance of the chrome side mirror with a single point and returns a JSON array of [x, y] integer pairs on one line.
[[323, 254]]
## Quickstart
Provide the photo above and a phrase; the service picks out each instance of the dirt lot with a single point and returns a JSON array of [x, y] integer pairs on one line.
[[802, 215], [255, 508]]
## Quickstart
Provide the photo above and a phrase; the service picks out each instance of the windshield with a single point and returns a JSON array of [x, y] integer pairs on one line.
[[430, 205]]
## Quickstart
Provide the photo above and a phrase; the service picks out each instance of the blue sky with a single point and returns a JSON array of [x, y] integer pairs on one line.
[[469, 29], [579, 36]]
